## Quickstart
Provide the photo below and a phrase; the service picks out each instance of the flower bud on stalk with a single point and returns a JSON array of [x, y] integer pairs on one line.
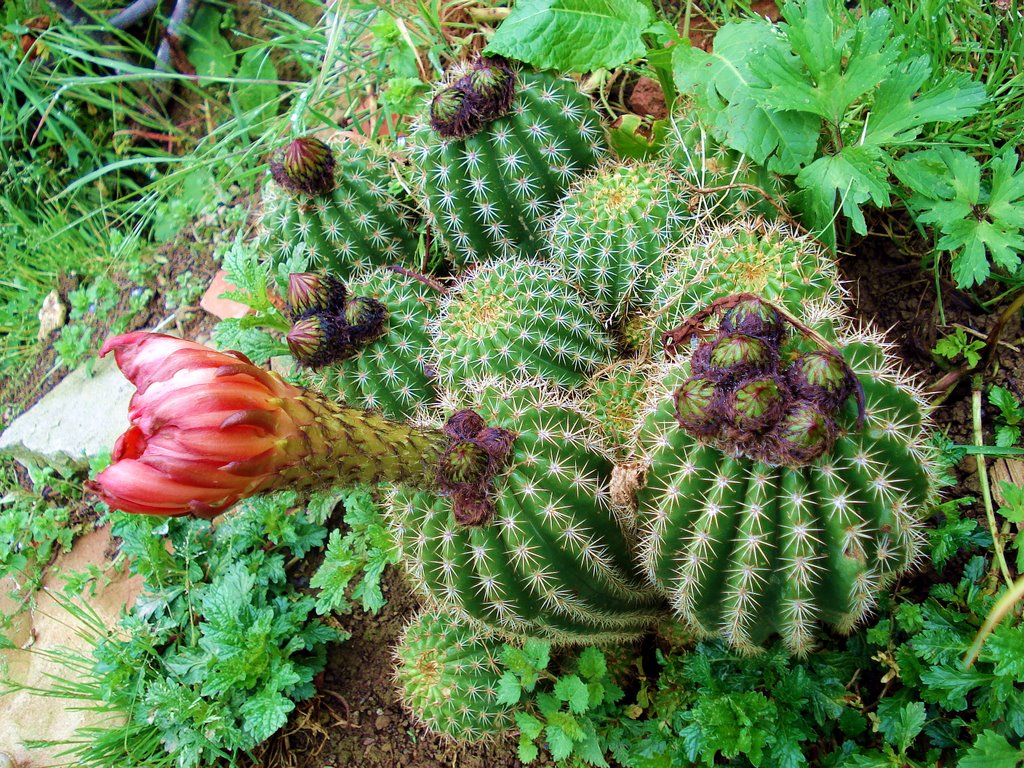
[[305, 166], [309, 292], [209, 428]]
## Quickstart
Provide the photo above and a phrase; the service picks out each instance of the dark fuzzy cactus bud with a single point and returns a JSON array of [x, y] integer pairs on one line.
[[491, 88], [451, 112], [697, 409], [754, 317], [738, 355], [307, 341], [309, 292], [805, 433], [700, 360], [306, 165], [469, 464], [366, 319], [821, 377], [755, 404]]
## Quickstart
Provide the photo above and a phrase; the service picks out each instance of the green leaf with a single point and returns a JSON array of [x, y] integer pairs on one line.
[[900, 723], [573, 690], [592, 664], [529, 725], [992, 751], [265, 714], [528, 751], [854, 176], [559, 742], [208, 51], [257, 97], [573, 35], [509, 689]]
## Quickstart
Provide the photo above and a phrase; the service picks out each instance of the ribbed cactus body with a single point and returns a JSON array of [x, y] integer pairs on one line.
[[615, 397], [393, 373], [718, 182], [552, 561], [491, 194], [357, 225], [519, 319], [447, 674], [746, 549], [768, 259], [613, 230]]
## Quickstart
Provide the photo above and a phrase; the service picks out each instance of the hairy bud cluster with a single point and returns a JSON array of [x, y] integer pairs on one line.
[[466, 470], [328, 325], [306, 165], [483, 94], [739, 397]]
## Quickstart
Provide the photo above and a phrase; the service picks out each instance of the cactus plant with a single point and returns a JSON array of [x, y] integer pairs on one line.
[[767, 258], [332, 202], [490, 183], [612, 230], [802, 517], [447, 674], [614, 397], [393, 373], [519, 319], [719, 182], [550, 559]]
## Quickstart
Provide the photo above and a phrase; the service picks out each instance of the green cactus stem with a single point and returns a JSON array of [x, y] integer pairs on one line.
[[752, 256], [393, 374], [746, 548], [491, 194], [447, 674], [615, 395], [552, 560], [612, 231], [353, 223], [519, 319]]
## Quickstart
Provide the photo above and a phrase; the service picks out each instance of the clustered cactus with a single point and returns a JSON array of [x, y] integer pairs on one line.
[[639, 393]]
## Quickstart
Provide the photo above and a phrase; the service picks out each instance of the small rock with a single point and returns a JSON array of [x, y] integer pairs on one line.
[[52, 315], [382, 722], [78, 419], [648, 99], [218, 307]]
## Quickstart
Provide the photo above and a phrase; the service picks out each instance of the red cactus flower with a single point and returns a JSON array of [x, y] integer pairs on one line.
[[207, 428]]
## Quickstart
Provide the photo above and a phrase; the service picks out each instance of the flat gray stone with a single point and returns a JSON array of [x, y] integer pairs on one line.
[[77, 420]]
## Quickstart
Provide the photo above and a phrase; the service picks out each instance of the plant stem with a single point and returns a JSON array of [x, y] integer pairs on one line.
[[986, 493], [996, 615], [137, 11]]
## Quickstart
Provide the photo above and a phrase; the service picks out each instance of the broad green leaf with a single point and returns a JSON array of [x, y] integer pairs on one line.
[[992, 751], [573, 35], [592, 664], [528, 751], [574, 691], [529, 725], [259, 97], [854, 176], [559, 742], [509, 689], [900, 723]]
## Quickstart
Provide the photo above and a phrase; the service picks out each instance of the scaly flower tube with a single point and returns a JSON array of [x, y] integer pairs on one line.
[[209, 428]]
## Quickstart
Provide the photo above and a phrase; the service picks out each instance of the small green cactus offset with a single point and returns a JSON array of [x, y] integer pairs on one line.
[[613, 230], [447, 674], [499, 149], [783, 489], [332, 202]]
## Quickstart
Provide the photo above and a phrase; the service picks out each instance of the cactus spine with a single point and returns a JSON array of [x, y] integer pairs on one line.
[[393, 373], [612, 231], [490, 194], [552, 560], [519, 319], [748, 544], [346, 221], [447, 674]]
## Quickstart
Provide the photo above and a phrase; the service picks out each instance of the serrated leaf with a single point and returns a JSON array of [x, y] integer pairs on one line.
[[509, 689], [527, 751], [559, 742], [853, 177], [254, 343], [592, 664], [529, 725], [265, 713], [991, 750], [900, 723], [949, 686], [573, 35], [573, 690]]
